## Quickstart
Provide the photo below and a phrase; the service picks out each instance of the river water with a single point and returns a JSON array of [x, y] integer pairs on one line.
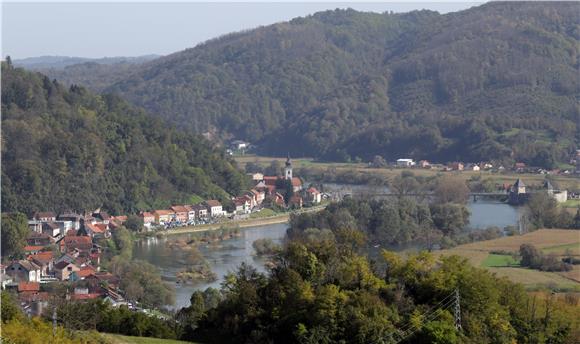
[[226, 256]]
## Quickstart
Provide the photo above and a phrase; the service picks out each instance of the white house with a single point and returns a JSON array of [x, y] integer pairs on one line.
[[242, 205], [215, 208], [405, 162], [314, 195], [239, 145], [23, 271]]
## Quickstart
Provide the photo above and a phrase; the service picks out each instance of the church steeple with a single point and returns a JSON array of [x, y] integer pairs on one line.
[[288, 168]]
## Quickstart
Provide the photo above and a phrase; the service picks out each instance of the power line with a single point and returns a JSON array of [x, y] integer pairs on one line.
[[444, 300], [457, 310], [451, 300]]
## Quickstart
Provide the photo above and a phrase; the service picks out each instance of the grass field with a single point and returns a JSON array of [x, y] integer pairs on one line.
[[564, 249], [266, 212], [499, 260], [119, 339], [555, 241], [571, 203], [567, 182]]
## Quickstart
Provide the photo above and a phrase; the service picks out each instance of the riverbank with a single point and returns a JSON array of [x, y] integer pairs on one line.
[[257, 222]]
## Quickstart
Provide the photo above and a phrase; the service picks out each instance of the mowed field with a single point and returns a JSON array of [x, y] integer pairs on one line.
[[567, 182], [549, 241], [119, 339]]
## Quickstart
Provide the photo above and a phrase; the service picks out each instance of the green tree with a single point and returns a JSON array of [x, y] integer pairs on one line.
[[10, 310], [451, 189], [543, 210], [14, 233], [134, 223]]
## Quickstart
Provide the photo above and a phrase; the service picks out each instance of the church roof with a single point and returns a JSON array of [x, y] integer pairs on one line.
[[296, 181], [519, 183]]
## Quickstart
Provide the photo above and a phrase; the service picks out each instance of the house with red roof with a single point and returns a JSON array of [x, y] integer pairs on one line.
[[45, 260], [242, 205], [39, 239], [314, 196], [33, 249], [79, 242], [148, 218], [163, 216], [45, 216], [102, 231], [181, 213], [28, 287]]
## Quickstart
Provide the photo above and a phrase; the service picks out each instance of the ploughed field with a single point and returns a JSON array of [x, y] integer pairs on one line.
[[494, 256]]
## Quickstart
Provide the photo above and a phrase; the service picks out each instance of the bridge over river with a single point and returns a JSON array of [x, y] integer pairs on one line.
[[475, 195]]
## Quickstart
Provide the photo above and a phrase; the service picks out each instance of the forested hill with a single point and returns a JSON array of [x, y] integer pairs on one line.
[[498, 81], [67, 149]]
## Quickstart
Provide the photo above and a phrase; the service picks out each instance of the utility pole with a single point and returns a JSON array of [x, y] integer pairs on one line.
[[457, 311], [54, 321]]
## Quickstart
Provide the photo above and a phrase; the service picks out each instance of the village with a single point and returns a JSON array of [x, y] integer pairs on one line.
[[68, 247]]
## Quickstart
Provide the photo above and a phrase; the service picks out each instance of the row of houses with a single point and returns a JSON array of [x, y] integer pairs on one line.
[[452, 166], [266, 190], [183, 214]]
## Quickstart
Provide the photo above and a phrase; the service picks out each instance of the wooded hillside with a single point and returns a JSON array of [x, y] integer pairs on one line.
[[67, 149], [498, 81]]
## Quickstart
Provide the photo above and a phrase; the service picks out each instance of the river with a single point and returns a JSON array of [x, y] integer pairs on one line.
[[228, 255], [223, 257]]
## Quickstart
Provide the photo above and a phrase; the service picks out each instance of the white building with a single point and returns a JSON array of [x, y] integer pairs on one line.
[[23, 271], [215, 208], [405, 162]]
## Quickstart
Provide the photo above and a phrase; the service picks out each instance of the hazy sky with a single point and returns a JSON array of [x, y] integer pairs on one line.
[[140, 28]]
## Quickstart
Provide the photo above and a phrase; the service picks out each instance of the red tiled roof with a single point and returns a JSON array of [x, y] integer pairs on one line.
[[147, 214], [28, 286], [270, 180], [44, 214], [86, 271], [102, 227], [313, 190], [42, 257], [29, 248], [213, 203], [120, 218], [296, 181], [85, 296], [74, 241], [164, 212], [179, 209]]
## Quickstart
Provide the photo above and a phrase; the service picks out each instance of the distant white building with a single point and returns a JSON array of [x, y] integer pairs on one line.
[[405, 162], [239, 145]]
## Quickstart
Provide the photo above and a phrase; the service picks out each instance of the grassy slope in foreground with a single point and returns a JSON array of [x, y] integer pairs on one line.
[[548, 240], [119, 339]]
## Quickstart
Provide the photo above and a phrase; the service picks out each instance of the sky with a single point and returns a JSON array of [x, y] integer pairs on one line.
[[100, 29]]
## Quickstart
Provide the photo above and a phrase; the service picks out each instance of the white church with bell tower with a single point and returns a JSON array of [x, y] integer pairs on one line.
[[288, 168]]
